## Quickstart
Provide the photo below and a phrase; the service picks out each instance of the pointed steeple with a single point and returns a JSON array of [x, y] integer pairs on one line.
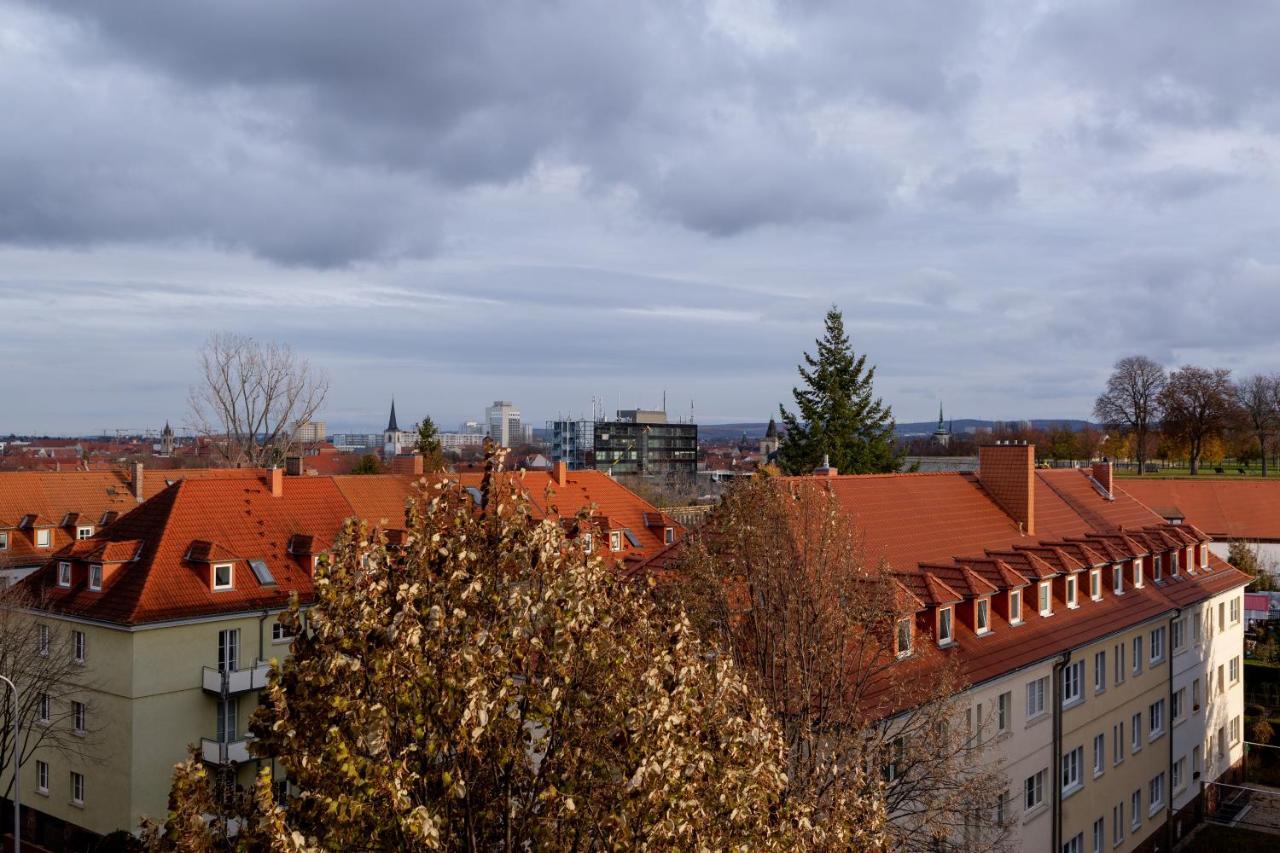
[[391, 424], [940, 422], [772, 431]]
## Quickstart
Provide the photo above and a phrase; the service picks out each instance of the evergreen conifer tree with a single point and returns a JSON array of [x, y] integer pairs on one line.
[[428, 445], [838, 415]]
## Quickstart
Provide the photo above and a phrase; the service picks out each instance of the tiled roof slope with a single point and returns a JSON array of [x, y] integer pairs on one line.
[[157, 559], [1225, 509]]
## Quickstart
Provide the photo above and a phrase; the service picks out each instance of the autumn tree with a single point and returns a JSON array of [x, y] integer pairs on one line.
[[428, 447], [486, 683], [838, 417], [252, 397], [1132, 401], [368, 464], [1247, 559], [777, 578], [1198, 405], [1258, 398]]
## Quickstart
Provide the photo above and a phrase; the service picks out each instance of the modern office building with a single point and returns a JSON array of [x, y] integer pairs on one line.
[[502, 421], [643, 441], [572, 442]]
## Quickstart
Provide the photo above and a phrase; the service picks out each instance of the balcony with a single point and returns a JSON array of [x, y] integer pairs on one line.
[[235, 681], [230, 752]]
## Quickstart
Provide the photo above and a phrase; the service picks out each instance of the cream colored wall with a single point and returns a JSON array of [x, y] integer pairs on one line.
[[144, 691], [1098, 713]]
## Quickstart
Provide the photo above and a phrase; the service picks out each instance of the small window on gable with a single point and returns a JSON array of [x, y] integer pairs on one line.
[[64, 574], [668, 535], [222, 576], [84, 531], [902, 642], [43, 537], [1015, 606], [982, 619], [95, 577], [944, 626], [1117, 579], [1046, 602], [1071, 591], [1095, 584], [615, 540]]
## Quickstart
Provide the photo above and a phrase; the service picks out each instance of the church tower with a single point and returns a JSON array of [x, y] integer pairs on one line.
[[392, 437], [166, 440], [942, 435]]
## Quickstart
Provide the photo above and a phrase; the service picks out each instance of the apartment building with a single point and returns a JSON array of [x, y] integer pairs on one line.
[[1071, 608], [172, 612]]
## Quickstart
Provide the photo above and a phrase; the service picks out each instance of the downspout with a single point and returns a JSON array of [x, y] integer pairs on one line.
[[261, 645], [1056, 762], [1168, 824]]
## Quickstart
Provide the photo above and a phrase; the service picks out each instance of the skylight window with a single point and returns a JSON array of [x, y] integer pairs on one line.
[[262, 573], [631, 537]]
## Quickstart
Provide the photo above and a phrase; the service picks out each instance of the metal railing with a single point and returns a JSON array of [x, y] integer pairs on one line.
[[233, 682]]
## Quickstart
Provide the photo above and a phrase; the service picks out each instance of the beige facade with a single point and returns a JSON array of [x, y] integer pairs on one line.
[[150, 693]]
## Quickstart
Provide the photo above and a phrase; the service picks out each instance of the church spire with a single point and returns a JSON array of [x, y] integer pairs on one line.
[[391, 424], [940, 422]]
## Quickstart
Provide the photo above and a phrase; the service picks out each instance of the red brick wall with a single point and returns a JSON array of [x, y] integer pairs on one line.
[[1102, 473], [1008, 473]]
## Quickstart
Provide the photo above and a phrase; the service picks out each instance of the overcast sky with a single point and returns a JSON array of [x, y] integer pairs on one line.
[[544, 202]]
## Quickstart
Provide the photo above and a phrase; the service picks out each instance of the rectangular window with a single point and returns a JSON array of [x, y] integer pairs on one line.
[[1095, 584], [1004, 711], [1236, 604], [1117, 743], [95, 577], [1071, 764], [1120, 670], [77, 788], [1179, 706], [226, 732], [1135, 808], [1204, 556], [1135, 732], [1195, 761], [1045, 602], [944, 626], [42, 776], [1235, 669], [42, 640], [1222, 741], [1156, 719], [1195, 695], [1117, 580], [223, 576], [64, 574], [1155, 794], [279, 633], [668, 535], [1071, 591], [983, 618], [1158, 564], [43, 537], [615, 540], [1179, 629], [1117, 822], [1235, 729], [1035, 697], [903, 640], [43, 709], [1015, 606], [79, 646], [1073, 683], [1137, 573], [1222, 684], [1100, 671], [1222, 615], [1137, 655], [4, 540], [1157, 573], [78, 717], [1034, 790], [1157, 645], [1098, 835], [1099, 753], [84, 532], [229, 650], [1179, 773], [1075, 845], [1195, 627]]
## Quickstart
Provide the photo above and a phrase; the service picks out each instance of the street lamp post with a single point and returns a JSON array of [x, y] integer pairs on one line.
[[17, 766]]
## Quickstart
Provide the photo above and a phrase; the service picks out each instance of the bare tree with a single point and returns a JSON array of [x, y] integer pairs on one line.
[[1258, 398], [1198, 403], [1132, 400], [252, 397], [56, 714], [777, 579]]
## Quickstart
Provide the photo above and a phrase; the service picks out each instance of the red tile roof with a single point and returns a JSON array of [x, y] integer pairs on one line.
[[1225, 509]]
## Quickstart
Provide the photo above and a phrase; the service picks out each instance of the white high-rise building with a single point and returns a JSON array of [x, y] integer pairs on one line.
[[503, 420]]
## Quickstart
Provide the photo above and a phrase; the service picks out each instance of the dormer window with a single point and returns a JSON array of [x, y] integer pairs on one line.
[[1015, 606], [982, 616], [1204, 556], [1117, 580], [1095, 584], [586, 543], [1071, 592], [43, 537], [1046, 601], [1157, 574], [95, 577], [1173, 563], [64, 574], [1137, 573], [668, 535], [1188, 562], [4, 540], [84, 531], [222, 576], [615, 540], [902, 639], [945, 635], [1157, 565]]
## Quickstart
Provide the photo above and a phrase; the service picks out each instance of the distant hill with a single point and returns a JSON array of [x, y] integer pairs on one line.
[[729, 432]]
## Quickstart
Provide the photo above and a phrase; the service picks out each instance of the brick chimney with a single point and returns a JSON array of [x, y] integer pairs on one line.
[[137, 482], [277, 482], [1102, 474], [560, 473], [407, 463], [1008, 472], [293, 466]]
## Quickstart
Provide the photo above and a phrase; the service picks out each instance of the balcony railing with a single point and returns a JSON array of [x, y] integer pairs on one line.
[[235, 681], [225, 752]]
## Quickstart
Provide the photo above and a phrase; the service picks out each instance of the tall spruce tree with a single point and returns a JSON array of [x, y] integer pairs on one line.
[[839, 417], [429, 446]]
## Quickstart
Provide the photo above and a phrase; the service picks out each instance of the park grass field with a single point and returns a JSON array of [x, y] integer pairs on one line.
[[1230, 471]]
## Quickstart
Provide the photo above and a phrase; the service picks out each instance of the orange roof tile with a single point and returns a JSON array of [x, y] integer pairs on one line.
[[1225, 509]]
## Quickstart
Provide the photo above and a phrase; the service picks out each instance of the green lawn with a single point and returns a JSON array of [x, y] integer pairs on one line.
[[1229, 470], [1219, 839]]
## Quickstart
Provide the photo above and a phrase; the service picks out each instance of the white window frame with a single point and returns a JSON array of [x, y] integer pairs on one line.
[[279, 634], [84, 531], [1204, 556], [1033, 791], [42, 777], [1135, 806], [1179, 634], [1117, 743], [1099, 835], [903, 648], [95, 577], [1155, 721], [1099, 754], [44, 537], [1073, 684], [79, 643], [1045, 600], [1179, 773], [1178, 710], [1095, 584], [4, 540], [43, 708], [1073, 597], [64, 574], [1156, 651], [1100, 671], [77, 788], [1117, 580], [982, 615], [79, 717], [231, 576], [1158, 565], [42, 639], [1137, 655], [946, 619], [1075, 844], [1155, 794], [1135, 733], [1157, 572], [668, 535], [1004, 712], [1137, 573], [1233, 670], [1036, 690], [1015, 607], [615, 540]]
